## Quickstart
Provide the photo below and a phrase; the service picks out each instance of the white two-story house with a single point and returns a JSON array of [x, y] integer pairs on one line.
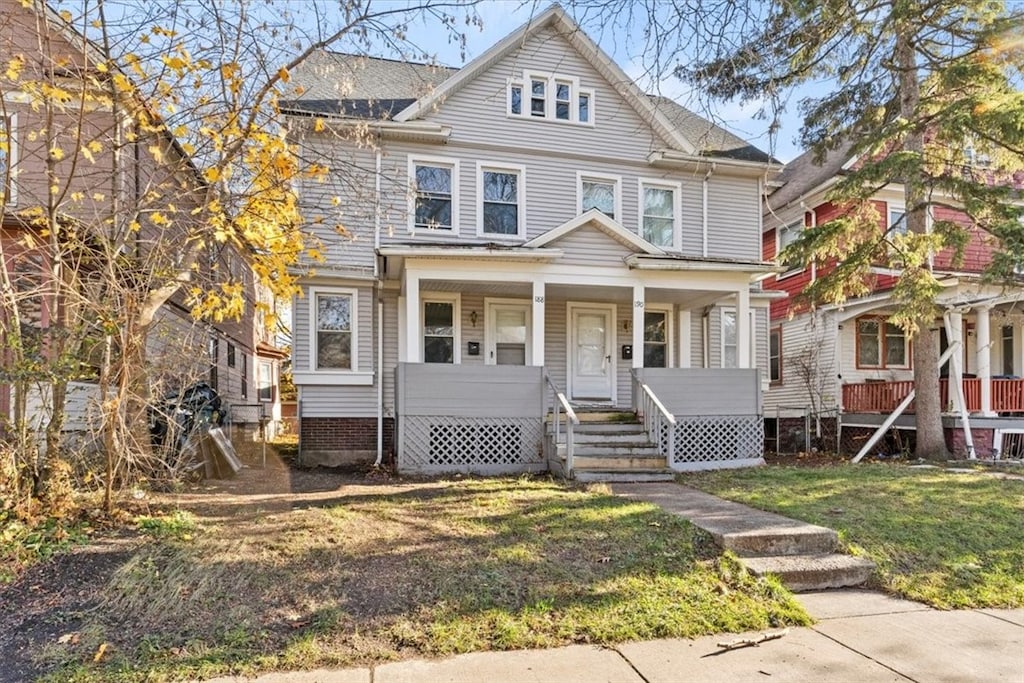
[[519, 251]]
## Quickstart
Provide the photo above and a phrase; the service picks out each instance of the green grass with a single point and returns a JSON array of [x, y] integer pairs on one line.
[[436, 569], [949, 540], [179, 525]]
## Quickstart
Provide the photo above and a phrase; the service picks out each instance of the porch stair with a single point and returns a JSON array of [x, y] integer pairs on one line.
[[801, 555], [613, 446]]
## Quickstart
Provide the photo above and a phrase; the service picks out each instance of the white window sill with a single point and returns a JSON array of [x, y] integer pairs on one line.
[[333, 378]]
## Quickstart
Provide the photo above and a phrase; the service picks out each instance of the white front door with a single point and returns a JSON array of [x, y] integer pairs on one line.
[[508, 334], [591, 357]]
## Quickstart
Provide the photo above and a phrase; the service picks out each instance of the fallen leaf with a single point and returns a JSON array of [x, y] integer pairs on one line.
[[68, 638], [605, 560], [100, 652], [654, 524], [299, 624]]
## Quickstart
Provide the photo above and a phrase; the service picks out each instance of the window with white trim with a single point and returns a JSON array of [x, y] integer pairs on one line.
[[501, 193], [266, 382], [897, 220], [334, 326], [659, 212], [786, 235], [8, 157], [775, 355], [441, 329], [550, 97], [729, 348], [434, 200], [599, 192]]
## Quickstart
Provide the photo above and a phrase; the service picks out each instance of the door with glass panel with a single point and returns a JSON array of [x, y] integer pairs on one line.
[[508, 334], [591, 361]]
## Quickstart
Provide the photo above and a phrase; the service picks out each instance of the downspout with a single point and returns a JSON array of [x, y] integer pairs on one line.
[[379, 360], [704, 217]]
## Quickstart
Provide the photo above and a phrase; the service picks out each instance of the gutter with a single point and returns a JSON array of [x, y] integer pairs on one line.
[[671, 157], [704, 211]]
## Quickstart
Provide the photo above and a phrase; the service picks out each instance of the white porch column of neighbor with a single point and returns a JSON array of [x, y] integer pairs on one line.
[[638, 326], [537, 327], [743, 328], [984, 358], [684, 339], [413, 345], [956, 331]]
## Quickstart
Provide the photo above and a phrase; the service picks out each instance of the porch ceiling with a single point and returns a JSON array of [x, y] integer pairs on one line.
[[515, 289]]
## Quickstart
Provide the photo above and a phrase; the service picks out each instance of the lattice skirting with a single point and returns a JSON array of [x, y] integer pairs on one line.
[[715, 439], [482, 445]]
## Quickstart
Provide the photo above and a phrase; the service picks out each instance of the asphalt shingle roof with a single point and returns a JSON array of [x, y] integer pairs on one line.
[[374, 88], [803, 174]]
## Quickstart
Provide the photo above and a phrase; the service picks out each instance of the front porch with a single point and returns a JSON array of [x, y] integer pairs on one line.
[[496, 419], [1006, 396]]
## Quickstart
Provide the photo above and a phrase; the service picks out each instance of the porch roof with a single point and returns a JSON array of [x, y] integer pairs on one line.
[[681, 262], [452, 251]]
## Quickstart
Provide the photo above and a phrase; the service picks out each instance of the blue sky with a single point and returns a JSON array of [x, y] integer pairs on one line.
[[501, 17]]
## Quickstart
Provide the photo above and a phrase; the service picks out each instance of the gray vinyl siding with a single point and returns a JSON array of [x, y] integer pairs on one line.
[[339, 210], [699, 391], [556, 341], [591, 247], [390, 350], [468, 391], [697, 338], [477, 112], [800, 337], [734, 208]]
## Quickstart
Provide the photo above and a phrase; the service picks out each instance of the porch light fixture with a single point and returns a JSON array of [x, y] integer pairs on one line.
[[473, 317]]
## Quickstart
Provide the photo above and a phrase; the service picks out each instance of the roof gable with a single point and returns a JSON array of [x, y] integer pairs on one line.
[[556, 19], [595, 219]]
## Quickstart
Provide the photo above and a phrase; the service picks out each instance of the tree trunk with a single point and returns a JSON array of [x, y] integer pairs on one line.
[[929, 438]]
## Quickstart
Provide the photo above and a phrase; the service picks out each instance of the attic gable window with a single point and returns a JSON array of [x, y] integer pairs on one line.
[[550, 97]]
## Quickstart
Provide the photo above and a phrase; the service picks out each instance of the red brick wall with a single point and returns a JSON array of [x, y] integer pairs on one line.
[[339, 434], [956, 441]]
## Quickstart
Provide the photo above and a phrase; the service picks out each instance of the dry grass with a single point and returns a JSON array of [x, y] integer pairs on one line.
[[365, 574]]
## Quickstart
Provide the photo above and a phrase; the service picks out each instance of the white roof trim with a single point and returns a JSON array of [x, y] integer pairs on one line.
[[609, 226], [588, 49], [453, 252], [651, 262]]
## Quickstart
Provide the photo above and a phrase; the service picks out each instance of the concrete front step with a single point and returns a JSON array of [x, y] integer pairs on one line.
[[640, 437], [617, 449], [795, 539], [600, 416], [620, 462], [628, 476], [813, 572]]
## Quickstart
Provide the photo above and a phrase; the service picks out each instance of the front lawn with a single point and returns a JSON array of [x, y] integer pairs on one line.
[[364, 574], [950, 540]]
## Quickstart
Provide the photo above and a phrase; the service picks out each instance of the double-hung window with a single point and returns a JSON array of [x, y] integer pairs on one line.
[[441, 329], [8, 157], [334, 321], [599, 192], [434, 198], [775, 355], [787, 234], [659, 211], [897, 224], [881, 344], [729, 349], [501, 194], [550, 97], [266, 381], [656, 338]]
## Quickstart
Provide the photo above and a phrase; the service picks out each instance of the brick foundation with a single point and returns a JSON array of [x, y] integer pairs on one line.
[[901, 442], [984, 439], [334, 441]]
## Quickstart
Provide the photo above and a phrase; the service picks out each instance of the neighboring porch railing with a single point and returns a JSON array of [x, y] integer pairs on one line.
[[559, 405], [656, 418], [883, 397]]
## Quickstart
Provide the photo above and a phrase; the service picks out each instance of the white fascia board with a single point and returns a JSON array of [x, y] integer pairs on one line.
[[609, 226], [645, 262], [472, 253], [672, 158]]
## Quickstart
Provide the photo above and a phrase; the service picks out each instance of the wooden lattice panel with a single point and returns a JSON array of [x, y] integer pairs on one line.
[[434, 444], [716, 438]]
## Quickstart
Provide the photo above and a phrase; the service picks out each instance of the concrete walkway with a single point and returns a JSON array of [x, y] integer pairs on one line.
[[860, 636]]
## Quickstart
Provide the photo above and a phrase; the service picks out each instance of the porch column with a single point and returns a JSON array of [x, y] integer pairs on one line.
[[638, 326], [685, 350], [413, 338], [743, 328], [955, 374], [984, 358], [537, 328]]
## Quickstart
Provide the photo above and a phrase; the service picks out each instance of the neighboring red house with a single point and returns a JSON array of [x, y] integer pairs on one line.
[[848, 366]]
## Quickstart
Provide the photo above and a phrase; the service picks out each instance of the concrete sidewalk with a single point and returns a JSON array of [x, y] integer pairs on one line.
[[860, 636]]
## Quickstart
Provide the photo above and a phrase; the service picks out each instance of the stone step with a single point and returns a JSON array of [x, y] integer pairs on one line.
[[813, 572], [623, 476], [617, 462], [776, 540]]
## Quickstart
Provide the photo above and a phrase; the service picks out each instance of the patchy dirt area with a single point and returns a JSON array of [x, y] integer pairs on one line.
[[51, 601], [819, 459]]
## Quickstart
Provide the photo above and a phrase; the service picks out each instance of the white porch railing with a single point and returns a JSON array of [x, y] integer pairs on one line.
[[560, 403], [656, 418]]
